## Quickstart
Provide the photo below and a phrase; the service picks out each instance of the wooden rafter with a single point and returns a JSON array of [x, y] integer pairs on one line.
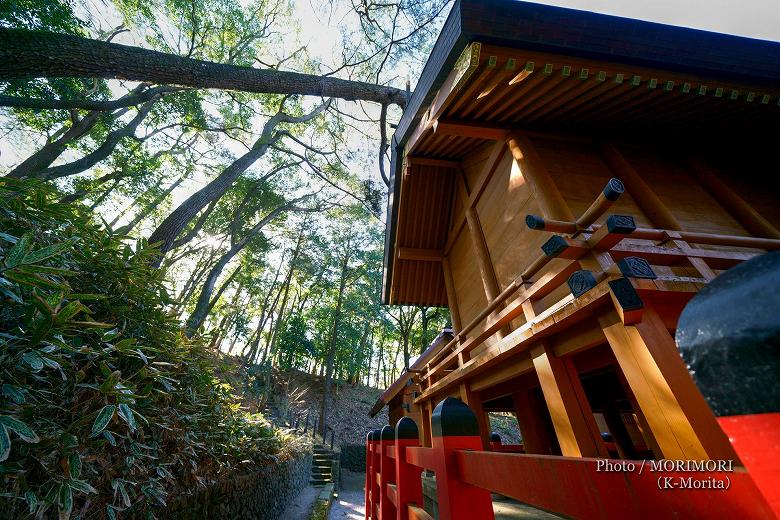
[[424, 255]]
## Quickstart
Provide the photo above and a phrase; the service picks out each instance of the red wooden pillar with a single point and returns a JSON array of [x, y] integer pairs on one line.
[[454, 427], [407, 477], [386, 472], [371, 469]]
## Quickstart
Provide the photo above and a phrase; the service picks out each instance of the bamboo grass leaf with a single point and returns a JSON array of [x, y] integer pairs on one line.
[[22, 430], [65, 501], [80, 485], [5, 443], [19, 251], [127, 414], [74, 462], [102, 419]]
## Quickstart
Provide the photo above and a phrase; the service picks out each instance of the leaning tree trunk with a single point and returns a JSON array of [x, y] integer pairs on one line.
[[172, 226], [28, 54], [44, 157], [174, 223], [102, 152]]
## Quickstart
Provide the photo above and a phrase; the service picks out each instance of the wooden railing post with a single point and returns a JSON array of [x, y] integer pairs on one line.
[[454, 427], [372, 441], [407, 477], [386, 472]]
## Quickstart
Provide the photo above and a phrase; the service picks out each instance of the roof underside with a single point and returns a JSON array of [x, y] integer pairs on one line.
[[554, 69]]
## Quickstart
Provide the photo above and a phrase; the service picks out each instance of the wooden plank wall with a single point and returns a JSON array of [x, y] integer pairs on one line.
[[679, 191], [580, 174]]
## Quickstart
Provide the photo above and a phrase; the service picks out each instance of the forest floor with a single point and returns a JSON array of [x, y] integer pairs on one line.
[[349, 406]]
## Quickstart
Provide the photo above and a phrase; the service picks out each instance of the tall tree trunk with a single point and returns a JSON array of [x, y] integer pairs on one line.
[[325, 405], [424, 319], [287, 279], [405, 338], [26, 54], [223, 288], [380, 360], [202, 306], [250, 352], [216, 339], [150, 207]]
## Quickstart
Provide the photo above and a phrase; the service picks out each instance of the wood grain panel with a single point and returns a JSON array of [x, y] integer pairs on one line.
[[691, 205], [580, 175]]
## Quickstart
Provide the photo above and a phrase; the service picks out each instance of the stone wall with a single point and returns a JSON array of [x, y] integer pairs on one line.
[[259, 496], [353, 457]]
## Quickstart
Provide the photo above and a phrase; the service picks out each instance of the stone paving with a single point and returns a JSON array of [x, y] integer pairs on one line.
[[300, 507], [349, 505]]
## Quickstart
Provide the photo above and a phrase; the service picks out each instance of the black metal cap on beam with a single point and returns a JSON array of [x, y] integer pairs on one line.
[[626, 295], [621, 224], [614, 189], [729, 336], [581, 282], [555, 246], [406, 428], [534, 222], [452, 417], [635, 267], [373, 435], [495, 437], [387, 433]]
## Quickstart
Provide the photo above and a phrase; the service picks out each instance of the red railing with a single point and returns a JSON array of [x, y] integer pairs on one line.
[[573, 487]]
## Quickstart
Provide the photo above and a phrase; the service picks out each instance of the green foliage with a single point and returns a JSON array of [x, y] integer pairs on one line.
[[55, 16], [104, 406], [51, 15], [294, 344]]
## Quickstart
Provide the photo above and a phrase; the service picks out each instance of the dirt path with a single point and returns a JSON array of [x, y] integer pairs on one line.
[[349, 505]]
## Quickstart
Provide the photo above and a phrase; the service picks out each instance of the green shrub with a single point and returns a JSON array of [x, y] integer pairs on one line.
[[105, 406]]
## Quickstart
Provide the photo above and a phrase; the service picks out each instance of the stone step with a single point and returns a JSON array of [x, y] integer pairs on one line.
[[319, 482], [321, 469]]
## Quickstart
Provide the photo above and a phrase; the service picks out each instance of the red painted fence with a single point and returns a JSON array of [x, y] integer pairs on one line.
[[573, 487]]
